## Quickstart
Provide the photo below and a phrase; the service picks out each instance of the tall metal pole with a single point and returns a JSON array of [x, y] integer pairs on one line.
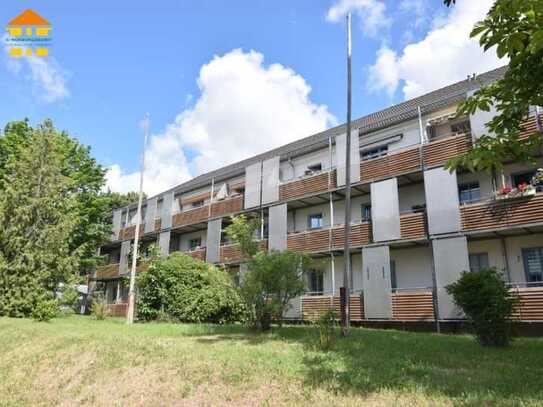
[[132, 292], [346, 321]]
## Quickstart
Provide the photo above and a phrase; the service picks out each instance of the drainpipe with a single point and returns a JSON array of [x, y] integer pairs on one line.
[[333, 264], [506, 259], [434, 290]]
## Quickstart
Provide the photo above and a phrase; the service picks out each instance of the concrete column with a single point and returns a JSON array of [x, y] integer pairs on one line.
[[213, 245], [164, 243], [385, 210], [253, 185], [277, 221], [450, 260], [166, 215], [150, 215], [270, 180], [117, 214], [376, 282], [442, 205], [125, 251], [340, 158]]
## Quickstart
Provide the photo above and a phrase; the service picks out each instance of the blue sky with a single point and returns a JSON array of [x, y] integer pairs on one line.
[[113, 61]]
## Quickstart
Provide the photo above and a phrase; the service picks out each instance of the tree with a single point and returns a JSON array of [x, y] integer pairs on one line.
[[488, 304], [36, 225], [514, 30], [273, 278], [85, 179]]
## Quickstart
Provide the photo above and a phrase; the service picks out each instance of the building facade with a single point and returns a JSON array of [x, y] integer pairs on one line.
[[415, 226]]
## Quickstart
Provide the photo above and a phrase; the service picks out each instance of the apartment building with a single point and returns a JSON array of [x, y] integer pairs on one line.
[[415, 226]]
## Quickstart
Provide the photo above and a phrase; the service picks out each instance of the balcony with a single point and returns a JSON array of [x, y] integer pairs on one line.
[[438, 152], [530, 306], [413, 304], [199, 254], [231, 253], [108, 271], [502, 213], [413, 227], [400, 162], [308, 185], [313, 306], [191, 216], [129, 232], [227, 206], [203, 213]]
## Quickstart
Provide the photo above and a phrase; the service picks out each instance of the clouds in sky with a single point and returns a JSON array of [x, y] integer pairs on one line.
[[245, 107], [372, 14], [444, 55], [48, 79]]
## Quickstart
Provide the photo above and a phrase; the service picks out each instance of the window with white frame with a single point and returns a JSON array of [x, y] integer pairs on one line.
[[373, 152], [195, 243], [469, 192], [316, 282], [315, 221], [533, 263], [366, 212]]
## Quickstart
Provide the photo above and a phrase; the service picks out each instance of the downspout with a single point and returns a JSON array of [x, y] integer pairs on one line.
[[505, 259]]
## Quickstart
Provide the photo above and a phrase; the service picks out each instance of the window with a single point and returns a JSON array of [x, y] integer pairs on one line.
[[195, 243], [469, 192], [366, 213], [522, 178], [314, 167], [374, 153], [478, 261], [533, 263], [316, 282], [197, 204], [314, 221], [461, 127]]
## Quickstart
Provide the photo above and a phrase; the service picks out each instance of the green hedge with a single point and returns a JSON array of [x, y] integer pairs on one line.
[[189, 290]]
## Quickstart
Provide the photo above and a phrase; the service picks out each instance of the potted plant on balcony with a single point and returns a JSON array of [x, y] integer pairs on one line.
[[526, 189]]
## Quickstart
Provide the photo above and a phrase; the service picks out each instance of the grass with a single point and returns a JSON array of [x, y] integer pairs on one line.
[[77, 360]]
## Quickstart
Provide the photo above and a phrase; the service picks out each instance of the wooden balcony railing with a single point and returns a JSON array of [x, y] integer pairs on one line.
[[360, 235], [528, 127], [413, 305], [321, 182], [502, 213], [439, 151], [107, 271], [231, 253], [227, 206], [191, 216], [413, 225], [315, 306], [530, 306], [396, 163], [117, 310], [199, 254]]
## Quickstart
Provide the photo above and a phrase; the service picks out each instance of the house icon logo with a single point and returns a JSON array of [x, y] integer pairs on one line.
[[28, 34]]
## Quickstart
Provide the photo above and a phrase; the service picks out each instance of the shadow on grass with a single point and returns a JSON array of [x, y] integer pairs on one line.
[[369, 361]]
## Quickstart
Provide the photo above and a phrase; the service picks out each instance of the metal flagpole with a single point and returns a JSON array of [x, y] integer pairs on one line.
[[132, 293], [347, 255]]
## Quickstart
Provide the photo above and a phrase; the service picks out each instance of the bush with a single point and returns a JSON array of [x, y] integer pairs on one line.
[[327, 332], [99, 310], [188, 290], [487, 303], [69, 299], [45, 310], [273, 279]]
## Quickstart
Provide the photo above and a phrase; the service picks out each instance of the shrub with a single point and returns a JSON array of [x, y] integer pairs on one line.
[[273, 279], [45, 310], [327, 332], [487, 303], [99, 310], [188, 290], [69, 299]]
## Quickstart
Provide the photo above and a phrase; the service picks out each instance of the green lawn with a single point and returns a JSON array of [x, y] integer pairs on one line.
[[76, 360]]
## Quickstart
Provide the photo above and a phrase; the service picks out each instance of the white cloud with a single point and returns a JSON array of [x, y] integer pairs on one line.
[[46, 75], [244, 108], [445, 55], [371, 13]]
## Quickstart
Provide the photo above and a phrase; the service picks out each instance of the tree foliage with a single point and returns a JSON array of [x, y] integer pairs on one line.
[[514, 30], [487, 303], [272, 279], [36, 226], [189, 290]]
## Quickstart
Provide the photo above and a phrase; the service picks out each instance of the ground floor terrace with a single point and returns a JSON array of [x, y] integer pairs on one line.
[[410, 288]]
